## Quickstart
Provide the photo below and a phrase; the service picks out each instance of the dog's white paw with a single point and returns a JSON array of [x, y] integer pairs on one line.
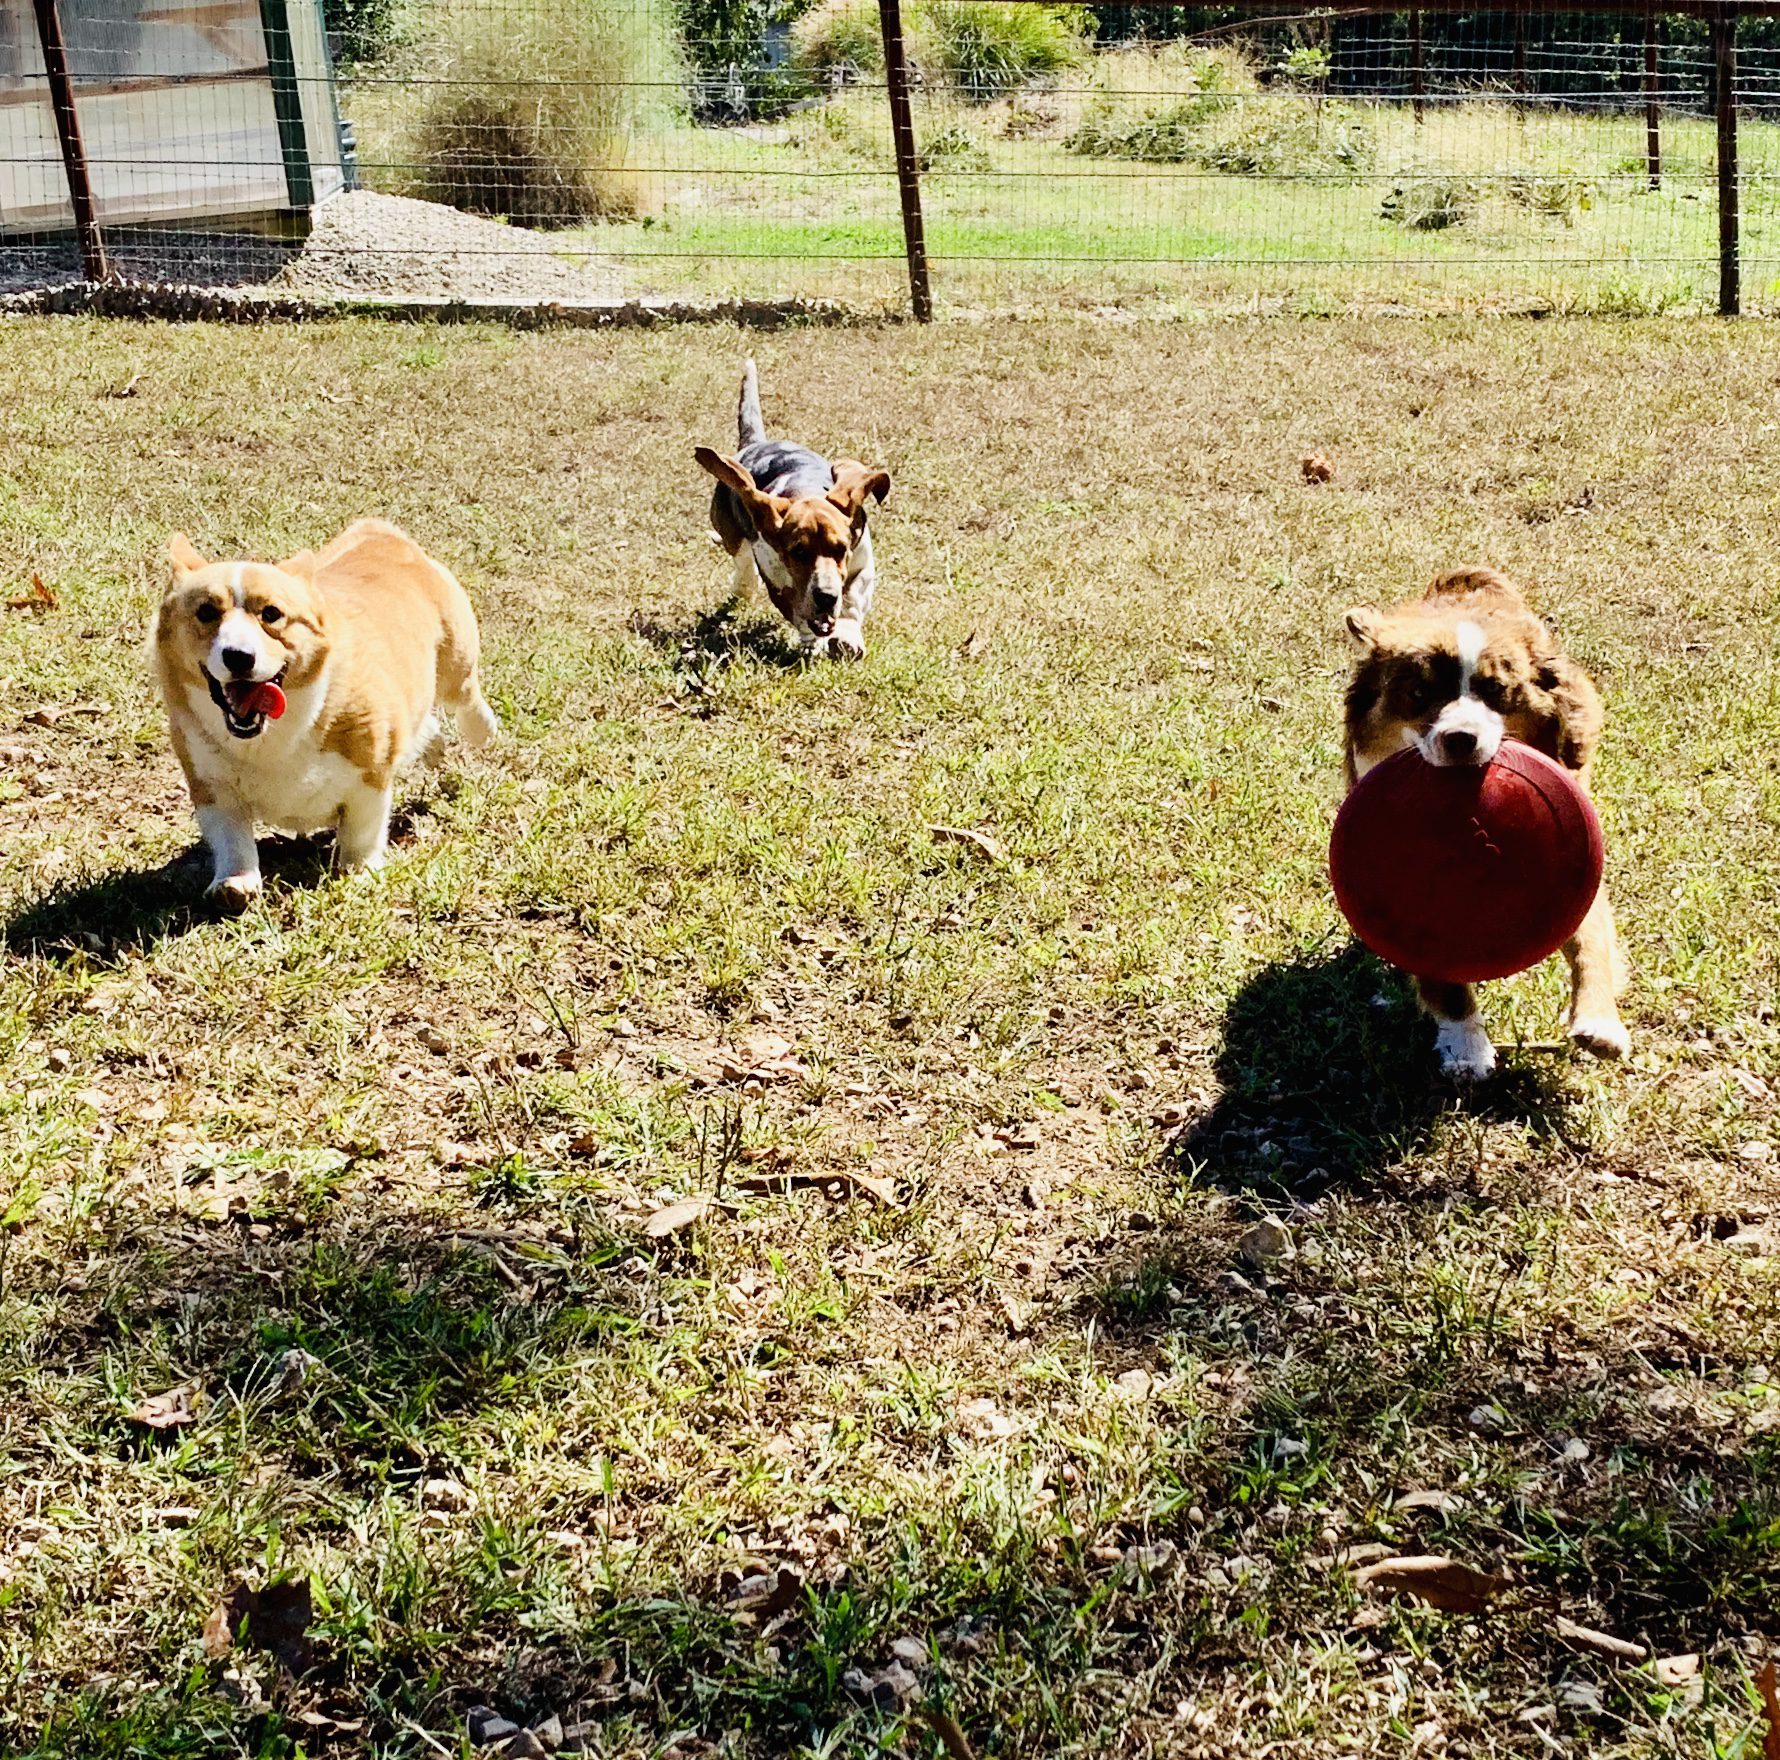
[[1603, 1034], [234, 892], [847, 642], [1465, 1051]]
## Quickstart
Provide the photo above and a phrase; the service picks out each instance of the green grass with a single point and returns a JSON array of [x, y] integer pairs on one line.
[[1029, 1413], [1015, 218]]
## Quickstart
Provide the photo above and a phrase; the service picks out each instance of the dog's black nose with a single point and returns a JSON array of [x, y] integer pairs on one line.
[[238, 661], [1458, 745]]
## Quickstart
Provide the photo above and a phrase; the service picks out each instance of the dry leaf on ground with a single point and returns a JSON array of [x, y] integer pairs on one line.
[[39, 598], [873, 1184], [1601, 1643], [1765, 1684], [674, 1217], [980, 841], [167, 1411], [1446, 1583], [763, 1596]]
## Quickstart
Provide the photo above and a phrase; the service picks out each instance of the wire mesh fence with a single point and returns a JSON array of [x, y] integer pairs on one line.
[[1139, 157]]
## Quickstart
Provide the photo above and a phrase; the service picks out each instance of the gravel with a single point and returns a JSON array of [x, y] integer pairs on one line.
[[362, 245]]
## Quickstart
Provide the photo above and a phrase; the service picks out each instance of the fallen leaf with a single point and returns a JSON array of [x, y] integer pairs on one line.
[[1765, 1684], [762, 1596], [1316, 467], [1446, 1502], [40, 598], [784, 1178], [274, 1619], [1601, 1643], [166, 1411], [1446, 1583], [1267, 1240], [674, 1217], [1677, 1671], [980, 841]]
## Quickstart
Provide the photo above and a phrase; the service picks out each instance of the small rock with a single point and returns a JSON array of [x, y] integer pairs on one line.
[[1264, 1243], [889, 1689], [1140, 1222], [1288, 1448], [1754, 1150], [525, 1746], [1154, 1560], [1581, 1697], [447, 1494], [912, 1653], [1487, 1420], [1135, 1384], [295, 1368], [549, 1732], [1574, 1452], [434, 1040], [60, 1061], [487, 1726]]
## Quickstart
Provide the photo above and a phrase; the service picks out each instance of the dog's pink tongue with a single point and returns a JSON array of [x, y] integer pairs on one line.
[[264, 699]]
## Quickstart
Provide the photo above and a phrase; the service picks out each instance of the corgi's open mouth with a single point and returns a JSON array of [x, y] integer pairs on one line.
[[248, 703]]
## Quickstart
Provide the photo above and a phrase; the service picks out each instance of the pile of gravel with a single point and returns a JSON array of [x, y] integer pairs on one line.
[[362, 246], [376, 246]]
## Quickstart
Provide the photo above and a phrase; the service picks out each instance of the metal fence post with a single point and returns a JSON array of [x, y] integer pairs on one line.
[[287, 103], [1418, 83], [93, 263], [1724, 103], [1653, 109], [908, 164]]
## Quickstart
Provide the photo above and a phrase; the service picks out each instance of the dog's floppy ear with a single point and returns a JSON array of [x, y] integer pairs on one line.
[[1362, 627], [730, 472], [182, 553], [852, 483], [765, 510]]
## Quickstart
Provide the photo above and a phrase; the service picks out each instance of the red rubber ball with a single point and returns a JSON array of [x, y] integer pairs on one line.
[[1465, 872]]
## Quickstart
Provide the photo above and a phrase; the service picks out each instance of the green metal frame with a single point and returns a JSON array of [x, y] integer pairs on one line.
[[287, 102]]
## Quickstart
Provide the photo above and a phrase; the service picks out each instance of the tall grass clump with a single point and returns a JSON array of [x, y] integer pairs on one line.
[[1180, 105], [536, 114], [983, 49]]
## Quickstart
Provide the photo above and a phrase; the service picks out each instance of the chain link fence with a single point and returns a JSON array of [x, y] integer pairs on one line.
[[1147, 159]]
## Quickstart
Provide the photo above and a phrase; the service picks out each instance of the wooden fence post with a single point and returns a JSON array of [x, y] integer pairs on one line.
[[1653, 108], [908, 164], [1418, 84], [1724, 94], [93, 263]]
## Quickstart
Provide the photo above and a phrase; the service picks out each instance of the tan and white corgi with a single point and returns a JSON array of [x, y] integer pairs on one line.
[[298, 690]]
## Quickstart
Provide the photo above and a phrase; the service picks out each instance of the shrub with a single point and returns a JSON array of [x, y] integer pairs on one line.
[[953, 147], [1432, 202], [1152, 105], [362, 30], [988, 47], [1184, 107], [725, 42], [536, 112], [983, 48], [1556, 195], [842, 37]]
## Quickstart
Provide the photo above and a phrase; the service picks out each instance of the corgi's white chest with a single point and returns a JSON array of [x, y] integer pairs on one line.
[[281, 776]]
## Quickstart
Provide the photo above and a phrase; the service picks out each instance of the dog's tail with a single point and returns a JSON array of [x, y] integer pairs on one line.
[[750, 428]]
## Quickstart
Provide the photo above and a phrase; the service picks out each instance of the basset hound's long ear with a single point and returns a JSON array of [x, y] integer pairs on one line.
[[853, 482], [183, 555], [766, 510]]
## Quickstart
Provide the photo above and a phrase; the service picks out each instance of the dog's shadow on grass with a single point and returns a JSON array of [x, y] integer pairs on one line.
[[1327, 1077], [721, 636], [134, 910]]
